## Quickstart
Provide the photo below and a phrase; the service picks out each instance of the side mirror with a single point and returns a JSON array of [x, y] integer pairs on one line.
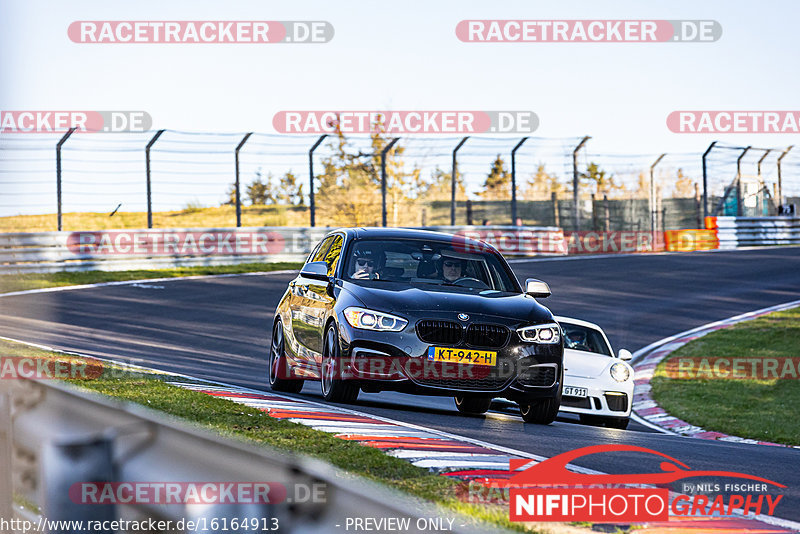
[[317, 270], [624, 355], [537, 288]]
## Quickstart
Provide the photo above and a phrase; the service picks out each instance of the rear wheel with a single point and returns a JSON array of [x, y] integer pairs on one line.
[[539, 411], [473, 405], [334, 387], [280, 375]]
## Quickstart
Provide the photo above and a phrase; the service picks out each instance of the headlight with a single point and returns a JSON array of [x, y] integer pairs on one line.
[[549, 334], [620, 372], [372, 320]]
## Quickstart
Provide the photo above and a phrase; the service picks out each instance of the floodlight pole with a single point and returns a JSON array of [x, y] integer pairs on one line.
[[453, 171], [383, 178], [514, 180], [58, 171], [576, 216], [236, 186]]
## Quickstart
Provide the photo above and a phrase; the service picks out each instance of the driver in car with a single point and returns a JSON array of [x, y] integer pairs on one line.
[[452, 269], [366, 264]]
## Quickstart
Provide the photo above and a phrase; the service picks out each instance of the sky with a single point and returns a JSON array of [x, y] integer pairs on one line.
[[405, 56]]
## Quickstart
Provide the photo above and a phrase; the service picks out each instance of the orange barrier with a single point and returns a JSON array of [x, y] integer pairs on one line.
[[689, 240]]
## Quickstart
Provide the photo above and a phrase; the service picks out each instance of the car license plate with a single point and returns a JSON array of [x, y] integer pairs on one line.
[[466, 356], [574, 392]]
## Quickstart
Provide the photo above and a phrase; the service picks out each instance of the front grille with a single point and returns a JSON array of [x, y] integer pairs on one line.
[[487, 335], [538, 376], [444, 332], [617, 403], [576, 402], [448, 375]]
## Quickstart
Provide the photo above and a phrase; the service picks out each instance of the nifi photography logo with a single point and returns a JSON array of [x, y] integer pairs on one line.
[[548, 491]]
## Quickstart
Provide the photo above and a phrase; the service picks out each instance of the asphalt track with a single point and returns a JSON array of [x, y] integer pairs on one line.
[[217, 328]]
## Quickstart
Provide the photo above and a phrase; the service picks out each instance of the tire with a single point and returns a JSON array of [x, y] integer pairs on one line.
[[542, 412], [473, 405], [279, 373], [335, 389]]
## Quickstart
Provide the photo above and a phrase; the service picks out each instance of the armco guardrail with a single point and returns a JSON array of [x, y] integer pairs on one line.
[[116, 250], [54, 439], [734, 232]]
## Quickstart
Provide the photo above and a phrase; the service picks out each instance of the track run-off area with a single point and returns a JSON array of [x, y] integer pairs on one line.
[[218, 328]]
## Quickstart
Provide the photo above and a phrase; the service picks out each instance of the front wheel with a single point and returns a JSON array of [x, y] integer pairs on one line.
[[280, 375], [334, 387], [473, 405], [542, 412]]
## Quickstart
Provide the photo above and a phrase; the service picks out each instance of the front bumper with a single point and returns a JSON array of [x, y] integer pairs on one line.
[[604, 399], [399, 361]]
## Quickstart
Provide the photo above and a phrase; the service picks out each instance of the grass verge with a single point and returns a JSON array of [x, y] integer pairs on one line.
[[759, 409], [238, 421], [21, 282]]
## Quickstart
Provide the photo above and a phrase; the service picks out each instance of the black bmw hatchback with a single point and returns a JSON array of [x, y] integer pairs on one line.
[[417, 312]]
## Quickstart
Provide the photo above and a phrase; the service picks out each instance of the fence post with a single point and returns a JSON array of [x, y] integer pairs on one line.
[[6, 448], [739, 206], [238, 190], [576, 216], [514, 180], [652, 199], [606, 215], [700, 223], [311, 205], [556, 215], [147, 172], [383, 178], [58, 172], [705, 180], [780, 183], [469, 212], [453, 171]]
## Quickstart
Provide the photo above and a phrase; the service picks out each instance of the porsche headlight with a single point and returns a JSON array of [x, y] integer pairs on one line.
[[373, 320], [549, 334], [620, 372]]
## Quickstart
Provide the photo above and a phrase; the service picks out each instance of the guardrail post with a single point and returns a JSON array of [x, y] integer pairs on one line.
[[453, 171], [739, 206], [576, 216], [780, 183], [652, 198], [6, 448], [311, 206], [236, 185], [62, 465], [58, 172], [705, 180], [514, 180], [386, 149], [147, 173]]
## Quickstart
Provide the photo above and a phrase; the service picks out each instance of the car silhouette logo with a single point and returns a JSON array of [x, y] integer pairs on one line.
[[463, 316]]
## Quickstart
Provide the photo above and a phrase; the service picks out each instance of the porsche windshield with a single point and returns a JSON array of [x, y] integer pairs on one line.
[[418, 261]]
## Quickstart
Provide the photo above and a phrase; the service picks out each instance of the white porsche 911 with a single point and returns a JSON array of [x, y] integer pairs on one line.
[[598, 385]]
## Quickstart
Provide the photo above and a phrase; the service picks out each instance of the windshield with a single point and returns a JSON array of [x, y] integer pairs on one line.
[[585, 339], [421, 261]]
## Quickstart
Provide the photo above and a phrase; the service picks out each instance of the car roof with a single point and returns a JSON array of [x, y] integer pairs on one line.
[[374, 232], [578, 322]]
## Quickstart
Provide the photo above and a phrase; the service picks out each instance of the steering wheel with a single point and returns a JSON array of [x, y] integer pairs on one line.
[[473, 282]]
